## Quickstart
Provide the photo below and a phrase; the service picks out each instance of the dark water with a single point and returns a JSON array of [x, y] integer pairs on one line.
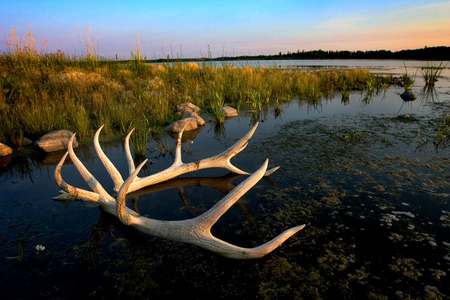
[[375, 199]]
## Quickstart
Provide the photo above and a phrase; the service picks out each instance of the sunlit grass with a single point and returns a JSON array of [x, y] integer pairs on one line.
[[431, 72], [24, 46], [43, 92]]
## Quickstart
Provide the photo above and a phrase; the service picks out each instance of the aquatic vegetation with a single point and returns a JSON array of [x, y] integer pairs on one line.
[[438, 133], [406, 80], [216, 105], [431, 72], [139, 141]]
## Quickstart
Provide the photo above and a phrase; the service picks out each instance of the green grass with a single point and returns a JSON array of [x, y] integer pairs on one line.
[[431, 72], [44, 92]]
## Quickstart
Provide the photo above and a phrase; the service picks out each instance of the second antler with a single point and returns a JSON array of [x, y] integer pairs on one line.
[[196, 231]]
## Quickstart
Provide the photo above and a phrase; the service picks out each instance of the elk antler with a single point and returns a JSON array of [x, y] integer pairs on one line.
[[196, 231], [221, 160]]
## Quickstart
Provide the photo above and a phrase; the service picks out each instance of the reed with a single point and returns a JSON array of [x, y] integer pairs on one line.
[[431, 72], [89, 46], [24, 46]]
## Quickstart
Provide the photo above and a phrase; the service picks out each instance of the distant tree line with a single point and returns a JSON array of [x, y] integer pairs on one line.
[[427, 53]]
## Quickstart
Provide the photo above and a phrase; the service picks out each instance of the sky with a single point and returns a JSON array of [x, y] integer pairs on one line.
[[197, 29]]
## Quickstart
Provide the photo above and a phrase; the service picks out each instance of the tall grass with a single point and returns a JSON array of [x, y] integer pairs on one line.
[[43, 92], [89, 46], [431, 72], [24, 46]]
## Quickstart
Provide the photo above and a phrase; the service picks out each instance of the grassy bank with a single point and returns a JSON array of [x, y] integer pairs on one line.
[[41, 93]]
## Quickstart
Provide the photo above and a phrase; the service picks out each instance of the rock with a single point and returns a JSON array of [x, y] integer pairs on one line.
[[200, 121], [5, 150], [55, 140], [26, 141], [229, 112], [177, 125], [187, 107], [408, 96]]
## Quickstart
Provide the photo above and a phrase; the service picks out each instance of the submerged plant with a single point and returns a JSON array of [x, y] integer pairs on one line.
[[20, 250], [440, 137]]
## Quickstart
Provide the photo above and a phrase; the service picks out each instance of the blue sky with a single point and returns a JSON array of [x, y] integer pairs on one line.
[[231, 28]]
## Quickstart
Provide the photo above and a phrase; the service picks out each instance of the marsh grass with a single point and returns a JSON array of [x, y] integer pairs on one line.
[[407, 80], [431, 72], [24, 46], [44, 92], [89, 46], [139, 141]]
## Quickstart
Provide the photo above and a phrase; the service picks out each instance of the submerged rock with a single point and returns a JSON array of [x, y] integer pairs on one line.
[[5, 150], [408, 96], [55, 140]]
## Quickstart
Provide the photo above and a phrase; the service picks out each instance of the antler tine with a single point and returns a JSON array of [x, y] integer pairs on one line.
[[225, 157], [112, 171], [87, 176], [178, 161], [77, 192], [130, 161], [210, 217], [122, 213]]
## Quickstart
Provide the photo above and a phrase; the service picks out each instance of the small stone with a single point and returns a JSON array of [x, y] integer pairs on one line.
[[26, 141], [177, 125], [228, 112], [200, 121]]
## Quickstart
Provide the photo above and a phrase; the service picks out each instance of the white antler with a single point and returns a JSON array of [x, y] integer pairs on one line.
[[221, 160], [196, 231]]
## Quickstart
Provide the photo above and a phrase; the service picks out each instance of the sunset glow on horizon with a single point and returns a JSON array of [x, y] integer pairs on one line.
[[232, 28]]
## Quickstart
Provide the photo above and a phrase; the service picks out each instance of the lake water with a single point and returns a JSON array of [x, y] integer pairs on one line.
[[369, 177]]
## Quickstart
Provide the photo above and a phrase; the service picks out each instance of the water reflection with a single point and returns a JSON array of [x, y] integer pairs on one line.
[[429, 93], [20, 166]]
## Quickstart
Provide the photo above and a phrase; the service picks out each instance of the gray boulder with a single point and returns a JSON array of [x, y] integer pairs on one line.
[[55, 140], [229, 112], [5, 150]]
